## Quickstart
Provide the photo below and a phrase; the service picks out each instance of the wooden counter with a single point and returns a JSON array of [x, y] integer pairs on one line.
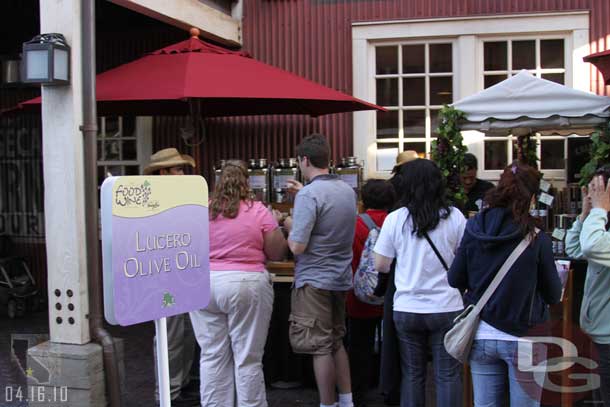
[[283, 271], [283, 268]]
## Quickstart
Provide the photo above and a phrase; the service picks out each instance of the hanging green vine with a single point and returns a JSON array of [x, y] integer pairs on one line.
[[600, 155], [526, 150], [448, 152]]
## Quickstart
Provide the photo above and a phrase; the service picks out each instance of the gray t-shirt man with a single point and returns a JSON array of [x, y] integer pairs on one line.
[[324, 219]]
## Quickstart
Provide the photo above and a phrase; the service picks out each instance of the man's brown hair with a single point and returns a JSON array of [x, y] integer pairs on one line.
[[315, 147]]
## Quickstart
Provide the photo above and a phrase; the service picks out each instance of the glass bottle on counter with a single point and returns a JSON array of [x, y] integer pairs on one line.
[[563, 223], [574, 199], [541, 211], [558, 244]]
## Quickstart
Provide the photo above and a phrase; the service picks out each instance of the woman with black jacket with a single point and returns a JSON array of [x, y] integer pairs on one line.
[[521, 300]]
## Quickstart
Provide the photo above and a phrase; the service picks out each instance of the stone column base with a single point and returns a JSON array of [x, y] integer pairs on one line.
[[66, 375]]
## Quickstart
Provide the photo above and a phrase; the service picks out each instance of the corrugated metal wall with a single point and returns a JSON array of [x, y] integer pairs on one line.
[[21, 178], [599, 38], [312, 38]]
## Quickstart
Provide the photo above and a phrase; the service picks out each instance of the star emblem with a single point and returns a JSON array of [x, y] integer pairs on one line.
[[29, 372]]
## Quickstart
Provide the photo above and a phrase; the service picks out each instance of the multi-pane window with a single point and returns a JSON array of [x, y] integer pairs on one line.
[[117, 147], [544, 58], [413, 81]]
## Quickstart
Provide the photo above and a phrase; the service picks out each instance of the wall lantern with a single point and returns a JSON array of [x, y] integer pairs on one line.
[[46, 60]]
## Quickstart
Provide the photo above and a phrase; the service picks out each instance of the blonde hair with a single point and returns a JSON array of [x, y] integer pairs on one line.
[[231, 189]]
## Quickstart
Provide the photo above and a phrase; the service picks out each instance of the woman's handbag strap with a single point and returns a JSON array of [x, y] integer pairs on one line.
[[502, 272], [438, 254]]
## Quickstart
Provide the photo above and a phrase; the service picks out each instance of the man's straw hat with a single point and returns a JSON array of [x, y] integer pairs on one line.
[[167, 158], [405, 157]]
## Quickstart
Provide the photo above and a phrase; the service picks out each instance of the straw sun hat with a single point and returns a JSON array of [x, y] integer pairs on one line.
[[404, 157], [167, 158]]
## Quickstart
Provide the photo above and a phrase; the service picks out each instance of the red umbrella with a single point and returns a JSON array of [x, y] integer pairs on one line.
[[601, 60], [194, 77]]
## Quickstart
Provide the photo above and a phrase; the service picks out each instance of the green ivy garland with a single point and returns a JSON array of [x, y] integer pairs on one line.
[[448, 152], [600, 155]]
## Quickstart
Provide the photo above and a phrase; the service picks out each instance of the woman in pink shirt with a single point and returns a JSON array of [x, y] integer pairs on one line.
[[232, 330]]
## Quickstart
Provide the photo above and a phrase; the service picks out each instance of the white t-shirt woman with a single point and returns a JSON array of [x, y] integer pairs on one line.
[[420, 278]]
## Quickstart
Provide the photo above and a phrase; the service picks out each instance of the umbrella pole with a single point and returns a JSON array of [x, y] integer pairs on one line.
[[198, 122], [197, 154]]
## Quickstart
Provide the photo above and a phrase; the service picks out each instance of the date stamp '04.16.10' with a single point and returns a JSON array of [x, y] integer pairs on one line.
[[49, 395]]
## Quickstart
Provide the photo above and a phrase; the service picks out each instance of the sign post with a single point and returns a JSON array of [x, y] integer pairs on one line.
[[155, 242], [162, 362]]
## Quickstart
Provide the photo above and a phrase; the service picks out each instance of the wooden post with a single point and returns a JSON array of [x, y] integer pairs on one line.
[[567, 304], [64, 200]]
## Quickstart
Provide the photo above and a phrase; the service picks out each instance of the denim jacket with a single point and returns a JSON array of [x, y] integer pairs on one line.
[[591, 241]]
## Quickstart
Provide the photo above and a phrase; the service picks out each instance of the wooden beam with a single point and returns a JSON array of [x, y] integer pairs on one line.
[[64, 182], [213, 23]]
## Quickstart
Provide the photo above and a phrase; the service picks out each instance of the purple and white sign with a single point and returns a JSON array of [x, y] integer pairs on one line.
[[155, 247]]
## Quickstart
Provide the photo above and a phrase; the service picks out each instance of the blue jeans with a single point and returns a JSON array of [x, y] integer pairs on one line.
[[420, 335], [492, 363]]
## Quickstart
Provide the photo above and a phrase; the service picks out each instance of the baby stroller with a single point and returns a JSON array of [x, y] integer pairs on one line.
[[18, 290]]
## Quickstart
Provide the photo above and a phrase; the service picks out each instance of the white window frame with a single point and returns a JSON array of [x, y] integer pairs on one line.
[[427, 139], [143, 137], [528, 37], [466, 33], [550, 174]]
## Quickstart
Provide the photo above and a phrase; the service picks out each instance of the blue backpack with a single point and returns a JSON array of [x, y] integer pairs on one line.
[[365, 278]]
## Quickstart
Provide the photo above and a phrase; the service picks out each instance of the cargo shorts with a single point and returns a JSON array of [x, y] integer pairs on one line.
[[317, 320]]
